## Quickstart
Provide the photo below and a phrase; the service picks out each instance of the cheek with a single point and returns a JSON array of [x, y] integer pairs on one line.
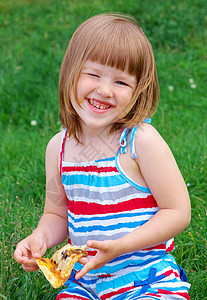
[[85, 85], [82, 88], [126, 98]]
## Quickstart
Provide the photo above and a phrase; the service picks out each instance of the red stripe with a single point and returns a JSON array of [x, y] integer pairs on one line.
[[92, 253], [161, 246], [182, 294], [105, 276], [170, 248], [168, 273], [83, 208], [87, 169]]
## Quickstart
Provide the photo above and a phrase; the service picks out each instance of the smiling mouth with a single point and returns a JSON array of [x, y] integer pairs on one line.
[[98, 105]]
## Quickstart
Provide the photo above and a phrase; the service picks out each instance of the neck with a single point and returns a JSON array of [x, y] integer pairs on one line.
[[91, 134], [101, 144]]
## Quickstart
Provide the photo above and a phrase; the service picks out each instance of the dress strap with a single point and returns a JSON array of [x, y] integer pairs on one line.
[[132, 142], [62, 145], [132, 139], [148, 120], [123, 139]]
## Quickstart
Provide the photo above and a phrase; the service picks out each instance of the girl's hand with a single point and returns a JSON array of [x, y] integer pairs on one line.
[[34, 246], [107, 250]]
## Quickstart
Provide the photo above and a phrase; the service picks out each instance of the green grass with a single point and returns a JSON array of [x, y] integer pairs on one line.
[[33, 37]]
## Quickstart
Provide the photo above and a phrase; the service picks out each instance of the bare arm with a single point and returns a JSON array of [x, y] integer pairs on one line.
[[166, 183], [55, 211], [161, 173], [52, 228]]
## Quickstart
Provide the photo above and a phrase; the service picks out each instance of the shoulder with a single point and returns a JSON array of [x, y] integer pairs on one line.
[[55, 142], [151, 148], [53, 149], [147, 136]]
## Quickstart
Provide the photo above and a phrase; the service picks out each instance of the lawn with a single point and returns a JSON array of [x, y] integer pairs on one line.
[[33, 37]]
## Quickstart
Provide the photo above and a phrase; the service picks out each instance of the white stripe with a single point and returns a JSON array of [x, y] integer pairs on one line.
[[107, 233], [176, 286], [107, 291], [90, 173], [169, 243], [100, 164], [100, 189]]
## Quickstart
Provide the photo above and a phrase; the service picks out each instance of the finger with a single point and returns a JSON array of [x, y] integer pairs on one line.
[[29, 262], [18, 256], [84, 270], [99, 245], [30, 268], [21, 253], [83, 260]]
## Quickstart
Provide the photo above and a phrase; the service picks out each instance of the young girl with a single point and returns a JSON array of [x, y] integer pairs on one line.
[[112, 182]]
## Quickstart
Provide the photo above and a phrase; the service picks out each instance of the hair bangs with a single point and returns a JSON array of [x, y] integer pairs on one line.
[[113, 46]]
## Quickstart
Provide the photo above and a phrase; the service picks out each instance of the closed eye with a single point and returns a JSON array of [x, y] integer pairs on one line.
[[122, 83], [93, 75]]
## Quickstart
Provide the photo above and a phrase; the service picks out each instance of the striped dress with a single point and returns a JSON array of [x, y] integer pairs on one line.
[[104, 203]]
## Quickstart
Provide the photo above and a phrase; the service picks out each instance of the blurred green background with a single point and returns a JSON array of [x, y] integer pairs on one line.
[[33, 37]]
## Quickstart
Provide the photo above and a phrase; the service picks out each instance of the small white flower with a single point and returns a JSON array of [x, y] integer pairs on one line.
[[191, 80], [188, 184], [171, 88], [193, 86], [33, 123]]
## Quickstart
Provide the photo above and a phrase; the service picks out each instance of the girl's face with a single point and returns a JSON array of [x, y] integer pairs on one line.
[[103, 93]]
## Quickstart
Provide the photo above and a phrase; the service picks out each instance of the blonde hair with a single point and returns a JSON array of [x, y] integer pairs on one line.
[[118, 41]]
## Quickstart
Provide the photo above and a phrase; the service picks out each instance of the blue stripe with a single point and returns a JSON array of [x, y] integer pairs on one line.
[[105, 159], [114, 216], [93, 180], [106, 228]]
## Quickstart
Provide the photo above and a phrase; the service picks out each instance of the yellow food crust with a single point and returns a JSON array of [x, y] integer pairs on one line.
[[58, 268]]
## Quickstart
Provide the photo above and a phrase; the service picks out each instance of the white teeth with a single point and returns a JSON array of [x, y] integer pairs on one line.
[[95, 104]]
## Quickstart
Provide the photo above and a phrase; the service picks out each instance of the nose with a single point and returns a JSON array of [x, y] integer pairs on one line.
[[105, 89]]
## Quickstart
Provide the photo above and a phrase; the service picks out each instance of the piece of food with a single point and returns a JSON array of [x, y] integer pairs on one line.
[[58, 268]]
